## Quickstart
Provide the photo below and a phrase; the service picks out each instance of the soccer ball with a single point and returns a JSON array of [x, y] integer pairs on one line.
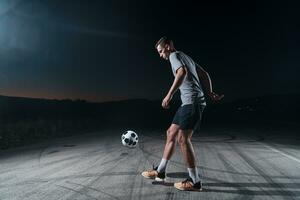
[[129, 139]]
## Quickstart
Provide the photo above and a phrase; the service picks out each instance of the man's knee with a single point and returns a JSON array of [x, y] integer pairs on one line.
[[171, 134], [184, 137], [182, 141]]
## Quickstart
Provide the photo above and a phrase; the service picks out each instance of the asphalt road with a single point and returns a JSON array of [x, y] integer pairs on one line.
[[232, 164]]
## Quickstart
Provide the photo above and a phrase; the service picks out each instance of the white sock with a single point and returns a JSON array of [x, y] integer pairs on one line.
[[193, 172], [163, 165]]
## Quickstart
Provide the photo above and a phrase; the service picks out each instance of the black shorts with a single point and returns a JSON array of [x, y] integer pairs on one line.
[[189, 116]]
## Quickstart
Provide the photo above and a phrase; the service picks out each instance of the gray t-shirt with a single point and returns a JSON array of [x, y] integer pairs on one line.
[[190, 89]]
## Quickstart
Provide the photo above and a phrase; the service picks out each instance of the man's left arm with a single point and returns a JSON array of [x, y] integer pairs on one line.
[[205, 79]]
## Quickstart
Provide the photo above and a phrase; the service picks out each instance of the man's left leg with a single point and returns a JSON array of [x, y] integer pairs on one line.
[[194, 182]]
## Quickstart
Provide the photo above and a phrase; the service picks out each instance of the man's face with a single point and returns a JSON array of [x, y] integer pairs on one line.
[[164, 51]]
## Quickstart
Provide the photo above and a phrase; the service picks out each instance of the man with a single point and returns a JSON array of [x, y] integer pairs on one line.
[[187, 78]]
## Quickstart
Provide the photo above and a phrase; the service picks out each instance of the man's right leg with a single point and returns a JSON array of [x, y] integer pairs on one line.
[[172, 133], [158, 173], [169, 149]]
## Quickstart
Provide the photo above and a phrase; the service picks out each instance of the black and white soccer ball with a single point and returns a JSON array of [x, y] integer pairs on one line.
[[129, 139]]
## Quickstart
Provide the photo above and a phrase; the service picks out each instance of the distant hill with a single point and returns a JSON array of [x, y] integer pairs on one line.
[[26, 119], [272, 107], [17, 108]]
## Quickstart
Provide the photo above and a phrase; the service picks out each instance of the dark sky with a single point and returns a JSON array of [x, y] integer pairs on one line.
[[104, 50]]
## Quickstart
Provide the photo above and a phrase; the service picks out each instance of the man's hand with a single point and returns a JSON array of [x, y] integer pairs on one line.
[[215, 97], [166, 102]]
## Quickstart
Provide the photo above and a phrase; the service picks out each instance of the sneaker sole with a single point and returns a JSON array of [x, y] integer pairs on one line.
[[159, 179], [192, 189], [155, 178], [148, 176]]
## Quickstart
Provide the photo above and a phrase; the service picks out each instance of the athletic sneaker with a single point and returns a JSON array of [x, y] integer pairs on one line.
[[154, 174], [188, 185]]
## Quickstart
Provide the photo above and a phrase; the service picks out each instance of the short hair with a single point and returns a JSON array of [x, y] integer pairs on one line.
[[163, 41]]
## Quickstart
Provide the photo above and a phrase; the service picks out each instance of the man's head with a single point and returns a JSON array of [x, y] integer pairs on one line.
[[164, 47]]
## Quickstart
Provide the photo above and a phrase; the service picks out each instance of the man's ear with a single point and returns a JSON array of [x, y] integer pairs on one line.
[[167, 46]]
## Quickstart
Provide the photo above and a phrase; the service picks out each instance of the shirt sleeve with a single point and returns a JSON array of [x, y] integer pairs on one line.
[[175, 61]]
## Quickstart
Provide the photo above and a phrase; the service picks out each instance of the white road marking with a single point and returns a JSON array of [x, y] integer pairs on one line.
[[281, 153]]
